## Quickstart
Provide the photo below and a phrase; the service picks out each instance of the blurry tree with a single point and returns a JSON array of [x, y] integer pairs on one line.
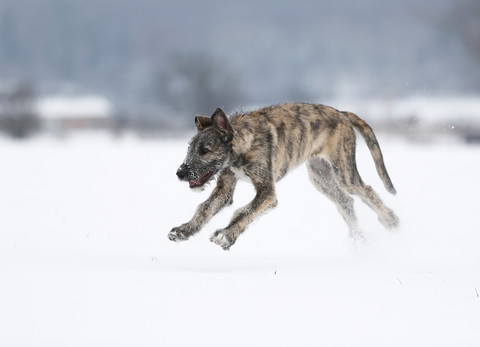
[[464, 20], [197, 84], [17, 114]]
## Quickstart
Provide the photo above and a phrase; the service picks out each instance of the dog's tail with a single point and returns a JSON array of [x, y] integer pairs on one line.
[[372, 143]]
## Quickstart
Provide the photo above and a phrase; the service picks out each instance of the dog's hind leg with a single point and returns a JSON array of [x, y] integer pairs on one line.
[[385, 215], [345, 168], [322, 176]]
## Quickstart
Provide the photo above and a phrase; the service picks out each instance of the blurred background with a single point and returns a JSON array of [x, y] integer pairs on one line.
[[146, 67]]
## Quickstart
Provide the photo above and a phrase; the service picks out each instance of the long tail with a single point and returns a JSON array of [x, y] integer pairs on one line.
[[372, 143]]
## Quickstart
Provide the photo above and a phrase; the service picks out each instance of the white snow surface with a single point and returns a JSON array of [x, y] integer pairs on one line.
[[68, 107], [430, 110], [85, 259]]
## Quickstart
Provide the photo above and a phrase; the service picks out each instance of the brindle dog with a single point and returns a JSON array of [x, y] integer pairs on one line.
[[263, 146]]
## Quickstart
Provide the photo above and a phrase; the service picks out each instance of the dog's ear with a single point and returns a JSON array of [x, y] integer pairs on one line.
[[202, 122], [220, 120]]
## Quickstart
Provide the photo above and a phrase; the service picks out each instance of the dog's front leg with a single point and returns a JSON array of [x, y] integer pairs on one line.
[[264, 200], [221, 196]]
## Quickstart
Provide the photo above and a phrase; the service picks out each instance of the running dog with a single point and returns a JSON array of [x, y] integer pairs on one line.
[[263, 146]]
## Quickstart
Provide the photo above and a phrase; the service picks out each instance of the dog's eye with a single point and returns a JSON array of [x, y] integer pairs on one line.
[[203, 150]]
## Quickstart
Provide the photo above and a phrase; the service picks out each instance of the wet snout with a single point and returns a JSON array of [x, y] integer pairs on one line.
[[183, 172]]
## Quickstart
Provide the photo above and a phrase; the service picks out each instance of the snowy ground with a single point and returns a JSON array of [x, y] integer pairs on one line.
[[85, 259]]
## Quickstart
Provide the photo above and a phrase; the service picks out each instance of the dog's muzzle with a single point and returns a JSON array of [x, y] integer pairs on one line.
[[183, 172]]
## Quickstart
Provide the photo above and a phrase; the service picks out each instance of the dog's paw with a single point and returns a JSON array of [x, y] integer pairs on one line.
[[179, 234], [222, 239], [391, 221]]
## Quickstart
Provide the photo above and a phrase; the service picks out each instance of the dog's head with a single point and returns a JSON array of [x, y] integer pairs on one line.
[[209, 150]]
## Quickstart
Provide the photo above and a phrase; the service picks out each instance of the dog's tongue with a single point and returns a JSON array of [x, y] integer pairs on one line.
[[194, 183], [200, 181]]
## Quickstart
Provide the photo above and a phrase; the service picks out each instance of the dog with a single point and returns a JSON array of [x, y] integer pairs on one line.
[[262, 147]]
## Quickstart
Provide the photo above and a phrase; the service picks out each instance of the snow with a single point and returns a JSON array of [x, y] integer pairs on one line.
[[68, 107], [430, 109], [85, 259]]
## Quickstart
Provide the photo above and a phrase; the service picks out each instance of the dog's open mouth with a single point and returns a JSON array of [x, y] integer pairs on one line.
[[201, 181]]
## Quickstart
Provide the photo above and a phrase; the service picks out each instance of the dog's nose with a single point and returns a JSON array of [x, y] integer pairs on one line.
[[182, 171]]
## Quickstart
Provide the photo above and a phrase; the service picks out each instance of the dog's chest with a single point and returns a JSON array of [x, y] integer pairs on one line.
[[240, 174]]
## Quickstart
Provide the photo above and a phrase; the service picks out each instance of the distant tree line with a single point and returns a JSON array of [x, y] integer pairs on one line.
[[17, 111], [136, 52], [198, 83]]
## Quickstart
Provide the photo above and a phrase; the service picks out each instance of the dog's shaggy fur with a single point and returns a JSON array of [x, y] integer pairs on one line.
[[263, 146]]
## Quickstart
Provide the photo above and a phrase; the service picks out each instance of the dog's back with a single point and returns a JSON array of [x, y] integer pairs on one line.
[[293, 132]]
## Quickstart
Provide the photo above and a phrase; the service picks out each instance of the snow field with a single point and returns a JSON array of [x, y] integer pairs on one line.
[[85, 259]]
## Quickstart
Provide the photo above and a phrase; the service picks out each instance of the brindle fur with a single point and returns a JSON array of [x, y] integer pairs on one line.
[[266, 144]]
